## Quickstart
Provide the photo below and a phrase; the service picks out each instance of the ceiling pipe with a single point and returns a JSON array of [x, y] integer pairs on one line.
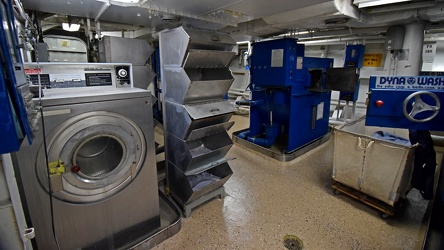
[[21, 10], [346, 31], [98, 31], [49, 26], [343, 40], [88, 30], [411, 64]]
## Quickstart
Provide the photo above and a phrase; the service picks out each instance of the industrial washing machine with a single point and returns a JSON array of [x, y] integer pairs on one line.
[[98, 183]]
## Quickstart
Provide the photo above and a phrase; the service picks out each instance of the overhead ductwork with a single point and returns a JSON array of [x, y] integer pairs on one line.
[[391, 15], [249, 19]]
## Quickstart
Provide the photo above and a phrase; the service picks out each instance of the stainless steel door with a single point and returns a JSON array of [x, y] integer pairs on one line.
[[102, 153]]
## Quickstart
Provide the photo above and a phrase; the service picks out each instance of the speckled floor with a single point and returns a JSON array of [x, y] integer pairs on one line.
[[267, 199]]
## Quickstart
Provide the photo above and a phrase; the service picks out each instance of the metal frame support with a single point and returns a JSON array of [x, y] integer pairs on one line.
[[26, 234]]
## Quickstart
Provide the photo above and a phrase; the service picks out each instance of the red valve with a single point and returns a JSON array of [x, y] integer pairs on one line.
[[75, 169], [379, 103]]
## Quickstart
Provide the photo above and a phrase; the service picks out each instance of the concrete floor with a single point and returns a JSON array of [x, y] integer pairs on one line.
[[267, 199]]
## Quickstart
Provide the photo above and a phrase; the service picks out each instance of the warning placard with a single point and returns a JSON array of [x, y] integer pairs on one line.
[[428, 53], [372, 60], [32, 71], [65, 43]]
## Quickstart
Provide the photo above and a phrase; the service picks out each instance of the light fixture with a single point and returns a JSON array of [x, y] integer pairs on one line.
[[126, 1], [372, 3], [70, 27]]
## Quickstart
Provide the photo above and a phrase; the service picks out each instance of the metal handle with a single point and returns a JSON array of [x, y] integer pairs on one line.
[[420, 106]]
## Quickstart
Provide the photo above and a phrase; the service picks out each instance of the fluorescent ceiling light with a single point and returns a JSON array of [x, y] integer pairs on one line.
[[371, 3], [70, 27], [295, 33]]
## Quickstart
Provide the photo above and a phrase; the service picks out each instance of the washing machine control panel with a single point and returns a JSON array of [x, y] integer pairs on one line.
[[123, 75], [75, 75]]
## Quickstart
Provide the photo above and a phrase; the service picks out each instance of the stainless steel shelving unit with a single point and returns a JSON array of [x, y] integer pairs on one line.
[[195, 80]]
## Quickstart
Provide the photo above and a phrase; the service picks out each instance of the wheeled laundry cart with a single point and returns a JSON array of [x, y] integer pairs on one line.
[[373, 170]]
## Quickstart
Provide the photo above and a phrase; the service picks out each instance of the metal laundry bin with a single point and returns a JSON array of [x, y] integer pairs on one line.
[[182, 187], [191, 155], [198, 120]]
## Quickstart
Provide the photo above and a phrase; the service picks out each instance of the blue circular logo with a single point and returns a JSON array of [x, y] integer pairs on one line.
[[411, 80]]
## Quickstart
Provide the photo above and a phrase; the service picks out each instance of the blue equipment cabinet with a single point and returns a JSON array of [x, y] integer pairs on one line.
[[14, 125], [412, 102], [290, 104], [354, 58]]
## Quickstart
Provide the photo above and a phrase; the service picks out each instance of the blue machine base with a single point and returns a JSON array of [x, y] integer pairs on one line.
[[277, 151]]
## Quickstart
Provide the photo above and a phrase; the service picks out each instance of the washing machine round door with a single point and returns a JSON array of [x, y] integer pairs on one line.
[[102, 152]]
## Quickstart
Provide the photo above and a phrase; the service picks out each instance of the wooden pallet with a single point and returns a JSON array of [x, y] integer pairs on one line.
[[386, 209]]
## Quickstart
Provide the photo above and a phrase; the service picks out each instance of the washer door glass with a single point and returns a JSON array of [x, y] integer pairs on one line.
[[102, 152]]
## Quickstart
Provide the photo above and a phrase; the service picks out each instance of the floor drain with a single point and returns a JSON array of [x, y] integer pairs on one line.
[[293, 243]]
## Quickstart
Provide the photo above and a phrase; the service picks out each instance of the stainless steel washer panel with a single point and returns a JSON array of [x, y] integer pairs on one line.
[[64, 74], [123, 216], [62, 97]]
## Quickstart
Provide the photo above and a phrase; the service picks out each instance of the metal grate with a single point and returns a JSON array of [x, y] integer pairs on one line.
[[292, 242]]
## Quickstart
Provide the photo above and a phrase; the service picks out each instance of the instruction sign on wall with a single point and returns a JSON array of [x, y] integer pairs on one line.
[[372, 60]]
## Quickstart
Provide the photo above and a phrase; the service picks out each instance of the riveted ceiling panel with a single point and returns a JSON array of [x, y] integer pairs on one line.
[[262, 8]]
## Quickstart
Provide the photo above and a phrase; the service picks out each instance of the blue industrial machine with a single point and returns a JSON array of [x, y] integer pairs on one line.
[[14, 91], [354, 58], [290, 102], [411, 102]]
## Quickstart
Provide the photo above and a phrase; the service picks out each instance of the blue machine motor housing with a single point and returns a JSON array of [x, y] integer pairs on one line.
[[411, 102], [290, 102]]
